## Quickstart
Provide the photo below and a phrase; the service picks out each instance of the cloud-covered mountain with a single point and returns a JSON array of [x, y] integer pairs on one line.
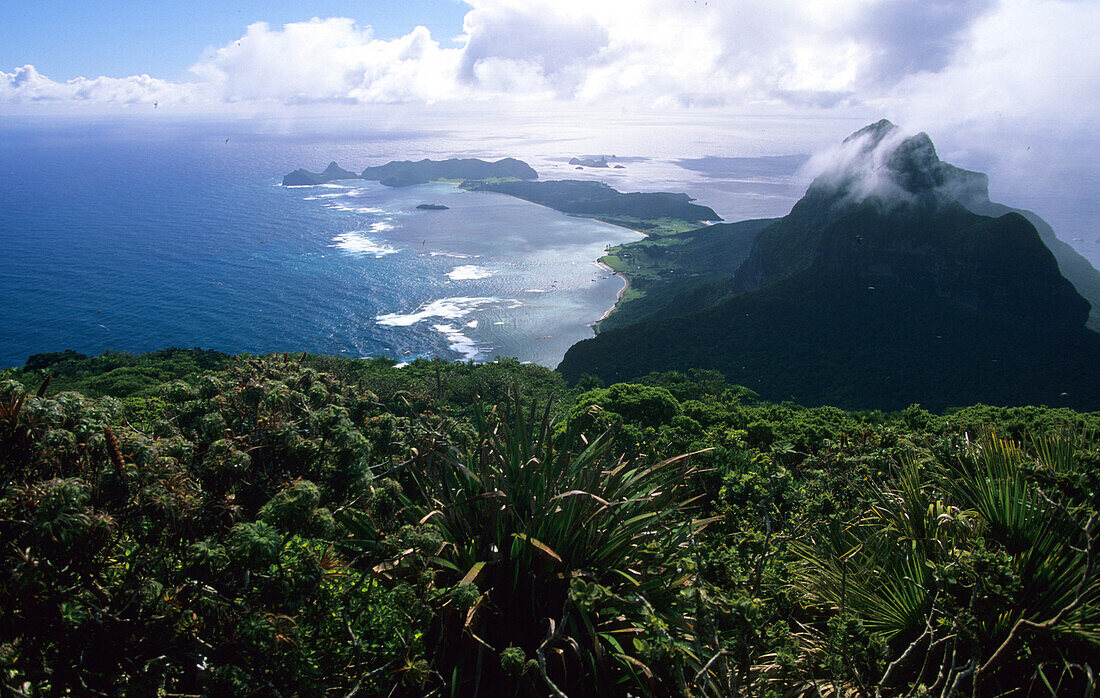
[[881, 288], [882, 164]]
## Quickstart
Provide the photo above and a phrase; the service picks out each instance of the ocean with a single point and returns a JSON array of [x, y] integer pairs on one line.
[[135, 244], [134, 236]]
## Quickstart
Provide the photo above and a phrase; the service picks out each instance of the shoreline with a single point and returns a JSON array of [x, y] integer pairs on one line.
[[626, 280], [619, 297]]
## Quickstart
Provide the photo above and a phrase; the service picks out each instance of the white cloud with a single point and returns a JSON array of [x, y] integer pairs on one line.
[[26, 85], [860, 165], [921, 62], [534, 47], [1033, 60], [329, 60]]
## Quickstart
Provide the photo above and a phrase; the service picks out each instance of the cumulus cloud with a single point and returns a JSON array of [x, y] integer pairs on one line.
[[772, 51], [915, 60], [1034, 60], [909, 37], [534, 47], [27, 85], [330, 59]]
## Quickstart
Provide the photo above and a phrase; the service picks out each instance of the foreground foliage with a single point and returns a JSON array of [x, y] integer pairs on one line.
[[297, 525]]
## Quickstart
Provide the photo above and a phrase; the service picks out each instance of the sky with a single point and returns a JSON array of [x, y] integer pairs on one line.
[[931, 59], [1013, 85], [66, 39]]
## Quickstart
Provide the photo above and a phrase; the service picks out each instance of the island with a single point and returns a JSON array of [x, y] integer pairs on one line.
[[651, 212], [305, 178], [187, 523], [589, 161], [403, 173]]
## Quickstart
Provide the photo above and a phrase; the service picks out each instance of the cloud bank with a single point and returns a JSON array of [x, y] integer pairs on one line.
[[25, 84], [913, 60]]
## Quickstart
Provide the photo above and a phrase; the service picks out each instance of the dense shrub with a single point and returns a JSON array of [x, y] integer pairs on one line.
[[303, 525]]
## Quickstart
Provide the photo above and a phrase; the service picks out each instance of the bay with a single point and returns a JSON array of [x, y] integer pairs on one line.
[[138, 242]]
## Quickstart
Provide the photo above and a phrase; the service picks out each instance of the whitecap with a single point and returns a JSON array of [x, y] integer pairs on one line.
[[444, 308], [458, 342], [336, 206], [456, 255], [451, 311], [468, 272], [534, 290], [337, 195], [355, 242]]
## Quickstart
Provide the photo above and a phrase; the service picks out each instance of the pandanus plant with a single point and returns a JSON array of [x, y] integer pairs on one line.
[[566, 564], [977, 569]]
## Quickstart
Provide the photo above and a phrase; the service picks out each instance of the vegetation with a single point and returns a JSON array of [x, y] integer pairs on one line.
[[828, 339], [675, 272], [304, 525], [881, 307], [302, 177], [596, 199], [404, 173], [119, 374]]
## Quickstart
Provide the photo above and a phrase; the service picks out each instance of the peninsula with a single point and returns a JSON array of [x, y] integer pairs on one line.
[[648, 211], [638, 210], [404, 173]]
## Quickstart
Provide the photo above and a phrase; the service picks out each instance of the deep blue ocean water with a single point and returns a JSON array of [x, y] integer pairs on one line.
[[138, 241], [138, 234]]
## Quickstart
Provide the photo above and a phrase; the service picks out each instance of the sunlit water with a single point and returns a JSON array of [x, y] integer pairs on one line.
[[138, 236]]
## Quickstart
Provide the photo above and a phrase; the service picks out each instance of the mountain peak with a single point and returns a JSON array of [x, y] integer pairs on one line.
[[334, 171], [879, 161], [873, 133]]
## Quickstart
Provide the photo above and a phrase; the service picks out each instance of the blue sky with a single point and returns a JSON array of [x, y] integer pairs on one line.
[[69, 38], [931, 64]]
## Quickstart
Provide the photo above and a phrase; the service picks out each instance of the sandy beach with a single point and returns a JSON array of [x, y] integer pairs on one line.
[[626, 285]]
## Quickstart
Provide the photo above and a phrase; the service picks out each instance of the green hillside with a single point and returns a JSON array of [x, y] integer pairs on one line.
[[598, 200], [664, 266]]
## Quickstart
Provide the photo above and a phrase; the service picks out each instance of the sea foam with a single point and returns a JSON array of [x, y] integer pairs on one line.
[[468, 272], [337, 195], [337, 206], [458, 342], [355, 242], [444, 308]]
